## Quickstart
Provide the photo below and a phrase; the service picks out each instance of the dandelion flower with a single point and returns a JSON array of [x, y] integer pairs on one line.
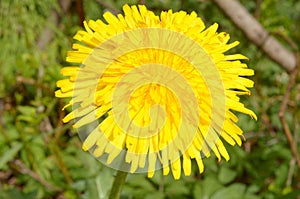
[[160, 89]]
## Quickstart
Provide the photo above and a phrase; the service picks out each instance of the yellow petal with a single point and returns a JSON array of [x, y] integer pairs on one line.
[[91, 140], [186, 165], [176, 169]]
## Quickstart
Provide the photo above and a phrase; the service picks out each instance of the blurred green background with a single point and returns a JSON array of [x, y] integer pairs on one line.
[[42, 158]]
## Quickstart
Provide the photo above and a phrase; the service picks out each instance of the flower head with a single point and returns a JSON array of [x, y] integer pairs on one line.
[[160, 89]]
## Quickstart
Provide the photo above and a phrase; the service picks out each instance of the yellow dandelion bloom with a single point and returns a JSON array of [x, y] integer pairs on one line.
[[159, 88]]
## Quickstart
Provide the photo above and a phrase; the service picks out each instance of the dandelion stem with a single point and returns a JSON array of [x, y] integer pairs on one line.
[[117, 185]]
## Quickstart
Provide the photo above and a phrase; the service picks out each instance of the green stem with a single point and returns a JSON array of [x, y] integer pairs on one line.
[[117, 185]]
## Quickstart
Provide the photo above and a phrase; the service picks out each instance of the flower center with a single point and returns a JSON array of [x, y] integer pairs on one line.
[[154, 108]]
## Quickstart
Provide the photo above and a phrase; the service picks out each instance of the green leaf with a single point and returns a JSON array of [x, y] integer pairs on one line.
[[293, 194], [253, 189], [176, 188], [10, 154], [250, 196], [198, 191], [92, 189], [157, 195], [234, 191], [210, 186], [140, 181], [27, 110], [79, 185], [13, 193], [281, 175], [226, 175], [105, 180]]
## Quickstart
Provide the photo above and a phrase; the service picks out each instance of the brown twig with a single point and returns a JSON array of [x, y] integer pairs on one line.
[[31, 81], [257, 9], [61, 163], [285, 100], [286, 128], [20, 167], [80, 11], [59, 130], [3, 123], [277, 52], [292, 161], [257, 34], [290, 173], [46, 126]]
